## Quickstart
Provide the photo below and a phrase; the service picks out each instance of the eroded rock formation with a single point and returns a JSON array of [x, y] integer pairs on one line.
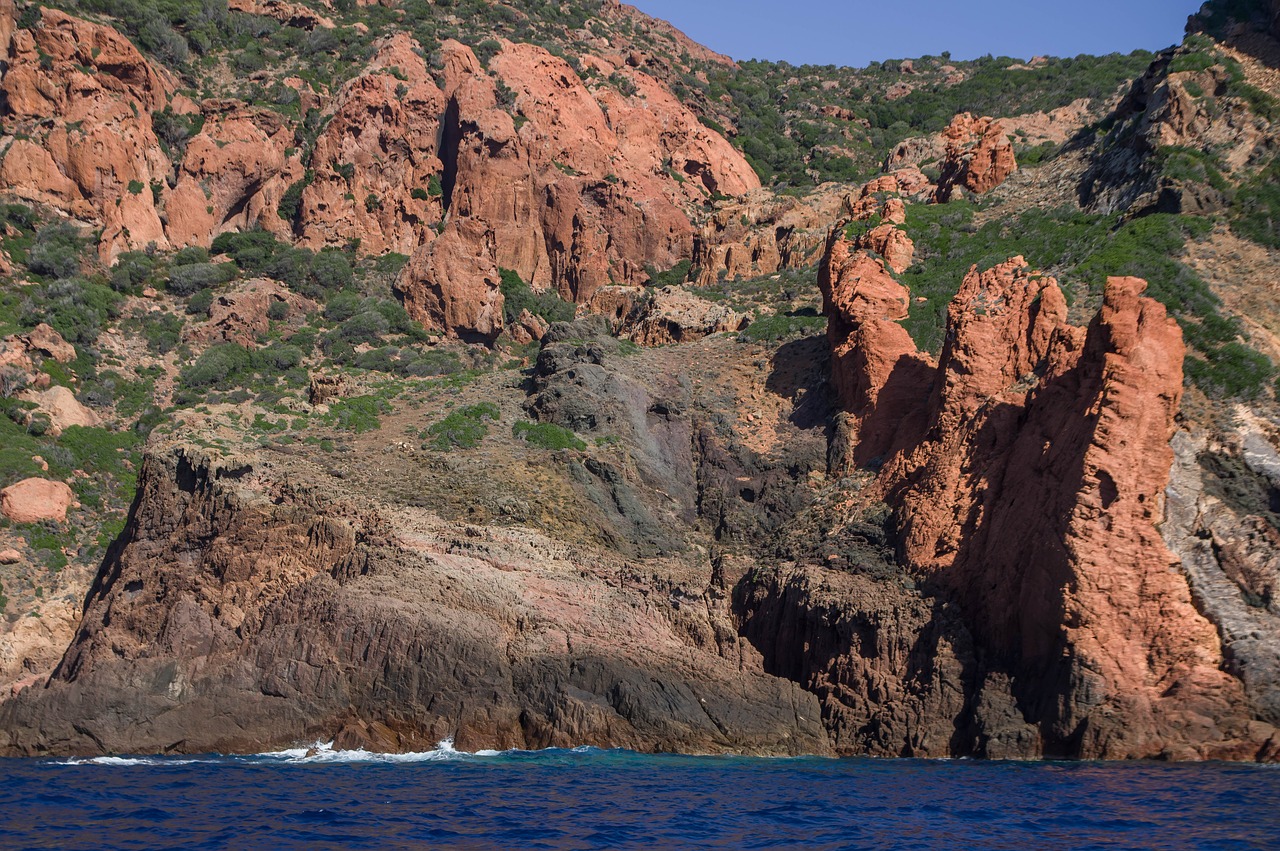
[[978, 156], [83, 96], [591, 188], [1028, 484], [575, 179]]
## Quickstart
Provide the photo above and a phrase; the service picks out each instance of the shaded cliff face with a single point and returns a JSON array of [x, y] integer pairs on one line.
[[240, 612], [1027, 485]]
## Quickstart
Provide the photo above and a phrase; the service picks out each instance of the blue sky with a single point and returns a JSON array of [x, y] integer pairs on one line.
[[855, 32]]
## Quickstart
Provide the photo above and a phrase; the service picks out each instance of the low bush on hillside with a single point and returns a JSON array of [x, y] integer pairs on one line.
[[547, 436], [461, 429]]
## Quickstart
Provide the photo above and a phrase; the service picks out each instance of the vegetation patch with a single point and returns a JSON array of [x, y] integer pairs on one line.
[[461, 429], [547, 436]]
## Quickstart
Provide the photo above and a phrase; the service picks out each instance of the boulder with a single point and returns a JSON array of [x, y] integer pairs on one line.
[[674, 315], [36, 501], [48, 342], [63, 409]]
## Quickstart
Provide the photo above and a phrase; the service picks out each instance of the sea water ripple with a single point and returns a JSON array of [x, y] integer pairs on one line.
[[319, 797]]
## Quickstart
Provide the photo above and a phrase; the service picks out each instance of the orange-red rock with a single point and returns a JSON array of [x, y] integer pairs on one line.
[[876, 370], [374, 163], [581, 195], [451, 284], [48, 342], [233, 175], [1028, 469], [239, 315], [84, 97], [36, 501], [979, 156], [892, 244], [289, 14], [62, 408]]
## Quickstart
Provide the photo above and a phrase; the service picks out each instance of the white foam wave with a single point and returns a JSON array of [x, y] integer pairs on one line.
[[324, 753], [127, 761]]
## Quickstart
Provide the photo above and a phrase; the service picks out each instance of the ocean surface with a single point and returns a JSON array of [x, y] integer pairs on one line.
[[589, 798]]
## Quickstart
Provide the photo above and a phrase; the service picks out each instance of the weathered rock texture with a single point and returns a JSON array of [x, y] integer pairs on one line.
[[673, 315], [1027, 485], [573, 183], [1195, 110], [83, 97], [590, 189], [294, 616], [978, 156]]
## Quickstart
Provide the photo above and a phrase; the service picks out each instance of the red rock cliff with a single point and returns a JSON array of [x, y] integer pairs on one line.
[[575, 178], [1028, 470]]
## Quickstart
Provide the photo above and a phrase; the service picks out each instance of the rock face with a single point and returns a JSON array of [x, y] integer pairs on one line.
[[1028, 486], [304, 617], [553, 200], [35, 501], [573, 183], [1231, 555], [978, 156], [233, 175], [86, 95], [1169, 109], [673, 315], [380, 144]]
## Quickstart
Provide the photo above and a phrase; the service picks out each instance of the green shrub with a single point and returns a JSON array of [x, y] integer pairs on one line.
[[677, 274], [218, 367], [518, 296], [780, 326], [163, 332], [357, 414], [1256, 213], [251, 250], [463, 428], [199, 304], [547, 436], [278, 311], [190, 279], [431, 363], [291, 201], [131, 270], [175, 131], [331, 271], [56, 251], [281, 357], [190, 255], [77, 308]]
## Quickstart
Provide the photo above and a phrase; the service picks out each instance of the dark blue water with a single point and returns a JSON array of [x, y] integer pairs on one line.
[[599, 799]]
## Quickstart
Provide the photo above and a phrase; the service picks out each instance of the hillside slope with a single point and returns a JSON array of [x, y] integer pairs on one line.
[[391, 372]]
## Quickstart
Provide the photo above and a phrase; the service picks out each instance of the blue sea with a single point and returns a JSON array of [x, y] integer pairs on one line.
[[586, 798]]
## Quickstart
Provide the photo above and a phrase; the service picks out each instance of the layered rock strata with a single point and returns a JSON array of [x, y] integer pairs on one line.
[[239, 612]]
